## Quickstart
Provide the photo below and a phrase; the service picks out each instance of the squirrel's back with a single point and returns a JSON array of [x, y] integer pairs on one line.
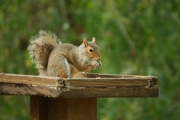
[[41, 47]]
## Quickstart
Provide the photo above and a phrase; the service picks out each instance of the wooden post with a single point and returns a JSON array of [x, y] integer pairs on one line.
[[44, 108]]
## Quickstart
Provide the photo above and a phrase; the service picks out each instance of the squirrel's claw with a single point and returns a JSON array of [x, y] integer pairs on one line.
[[100, 64], [97, 64]]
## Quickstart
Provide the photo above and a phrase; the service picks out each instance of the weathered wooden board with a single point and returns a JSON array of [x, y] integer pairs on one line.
[[82, 85], [96, 77], [28, 79], [111, 92], [110, 82], [23, 89], [14, 84]]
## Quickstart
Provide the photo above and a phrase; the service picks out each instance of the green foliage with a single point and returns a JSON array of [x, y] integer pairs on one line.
[[136, 37]]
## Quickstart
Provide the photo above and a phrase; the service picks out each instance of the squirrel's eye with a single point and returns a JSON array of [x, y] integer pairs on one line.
[[90, 50]]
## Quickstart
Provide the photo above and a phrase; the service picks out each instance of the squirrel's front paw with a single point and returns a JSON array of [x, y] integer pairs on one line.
[[97, 64]]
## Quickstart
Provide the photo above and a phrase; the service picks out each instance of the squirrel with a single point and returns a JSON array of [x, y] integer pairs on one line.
[[56, 59]]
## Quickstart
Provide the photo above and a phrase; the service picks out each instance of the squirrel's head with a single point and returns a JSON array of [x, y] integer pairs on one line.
[[92, 50]]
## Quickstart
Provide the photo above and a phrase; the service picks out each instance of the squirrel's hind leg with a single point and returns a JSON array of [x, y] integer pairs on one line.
[[58, 67]]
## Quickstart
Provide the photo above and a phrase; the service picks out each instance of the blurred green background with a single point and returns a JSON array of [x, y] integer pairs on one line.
[[136, 37]]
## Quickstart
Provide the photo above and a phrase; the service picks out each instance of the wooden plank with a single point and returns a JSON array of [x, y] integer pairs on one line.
[[21, 89], [13, 84], [115, 76], [44, 108], [29, 79], [115, 86], [111, 92], [107, 82], [97, 75]]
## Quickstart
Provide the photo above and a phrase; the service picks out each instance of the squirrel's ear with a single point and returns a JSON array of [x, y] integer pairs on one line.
[[85, 42], [94, 40]]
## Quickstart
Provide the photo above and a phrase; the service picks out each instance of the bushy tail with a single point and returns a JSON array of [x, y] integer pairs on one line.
[[40, 49]]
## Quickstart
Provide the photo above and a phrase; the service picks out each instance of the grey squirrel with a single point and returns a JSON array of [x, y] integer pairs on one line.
[[56, 59]]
